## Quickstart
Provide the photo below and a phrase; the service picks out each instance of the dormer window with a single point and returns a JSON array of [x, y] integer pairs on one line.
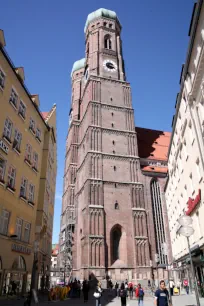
[[108, 42]]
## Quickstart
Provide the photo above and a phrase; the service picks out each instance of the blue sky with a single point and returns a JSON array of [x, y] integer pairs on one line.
[[46, 37]]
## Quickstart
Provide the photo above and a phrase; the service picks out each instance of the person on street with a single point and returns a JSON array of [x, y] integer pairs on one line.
[[116, 289], [85, 290], [97, 295], [171, 284], [130, 285], [140, 295], [123, 294], [186, 285], [162, 295]]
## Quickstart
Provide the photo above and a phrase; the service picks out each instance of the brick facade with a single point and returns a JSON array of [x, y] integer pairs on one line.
[[105, 188]]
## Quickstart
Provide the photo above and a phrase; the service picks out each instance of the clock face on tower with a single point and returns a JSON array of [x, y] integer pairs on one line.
[[109, 65]]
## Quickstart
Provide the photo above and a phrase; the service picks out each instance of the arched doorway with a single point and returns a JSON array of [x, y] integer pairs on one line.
[[116, 234]]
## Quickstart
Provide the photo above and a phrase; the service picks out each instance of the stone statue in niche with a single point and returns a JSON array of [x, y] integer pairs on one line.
[[116, 205]]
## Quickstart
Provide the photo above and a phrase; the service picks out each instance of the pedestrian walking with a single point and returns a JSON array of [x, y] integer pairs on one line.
[[123, 294], [162, 295], [130, 285], [85, 290], [116, 288], [97, 295], [140, 295], [186, 286], [179, 286]]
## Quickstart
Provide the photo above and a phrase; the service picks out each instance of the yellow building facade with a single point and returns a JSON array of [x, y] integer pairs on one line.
[[27, 179]]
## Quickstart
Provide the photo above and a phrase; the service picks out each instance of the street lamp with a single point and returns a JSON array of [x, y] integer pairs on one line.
[[186, 230]]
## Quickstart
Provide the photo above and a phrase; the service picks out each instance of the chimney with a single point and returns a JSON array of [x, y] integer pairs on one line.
[[2, 39], [36, 100], [20, 73]]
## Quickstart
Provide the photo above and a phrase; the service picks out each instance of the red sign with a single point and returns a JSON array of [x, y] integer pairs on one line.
[[192, 203]]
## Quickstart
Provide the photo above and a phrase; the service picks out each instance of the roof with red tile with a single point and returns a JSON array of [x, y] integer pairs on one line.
[[44, 114], [55, 249], [153, 145]]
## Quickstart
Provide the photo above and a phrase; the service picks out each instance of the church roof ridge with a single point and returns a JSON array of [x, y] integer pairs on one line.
[[102, 12]]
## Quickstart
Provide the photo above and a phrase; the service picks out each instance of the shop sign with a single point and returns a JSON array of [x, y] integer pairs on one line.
[[20, 249], [192, 203]]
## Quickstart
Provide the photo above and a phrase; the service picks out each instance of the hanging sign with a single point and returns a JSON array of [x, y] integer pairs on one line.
[[192, 203]]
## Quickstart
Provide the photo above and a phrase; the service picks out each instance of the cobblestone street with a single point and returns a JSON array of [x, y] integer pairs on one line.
[[182, 300]]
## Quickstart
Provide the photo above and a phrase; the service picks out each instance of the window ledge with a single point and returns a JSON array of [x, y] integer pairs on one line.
[[13, 105], [24, 199], [35, 170], [16, 151], [38, 139], [10, 190], [21, 116], [32, 132], [7, 141], [2, 184], [27, 162], [31, 203]]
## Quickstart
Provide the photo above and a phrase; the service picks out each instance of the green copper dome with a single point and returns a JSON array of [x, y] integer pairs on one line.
[[78, 65], [99, 13]]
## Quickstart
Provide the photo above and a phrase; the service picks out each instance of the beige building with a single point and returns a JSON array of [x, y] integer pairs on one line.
[[27, 178], [185, 186]]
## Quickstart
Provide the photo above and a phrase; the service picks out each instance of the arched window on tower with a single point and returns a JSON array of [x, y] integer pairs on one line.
[[158, 220], [87, 49], [107, 42]]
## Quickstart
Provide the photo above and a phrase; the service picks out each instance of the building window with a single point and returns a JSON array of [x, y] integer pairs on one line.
[[2, 79], [107, 42], [38, 134], [113, 142], [35, 160], [11, 177], [2, 169], [110, 25], [158, 220], [113, 152], [19, 223], [4, 222], [199, 168], [32, 125], [14, 98], [23, 188], [114, 168], [112, 125], [27, 227], [28, 153], [8, 129], [17, 140], [22, 109], [31, 192]]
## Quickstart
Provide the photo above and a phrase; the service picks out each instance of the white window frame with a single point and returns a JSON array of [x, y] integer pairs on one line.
[[31, 193], [22, 109], [4, 222], [27, 229], [19, 225], [32, 125], [2, 78], [14, 98], [17, 140], [35, 160], [8, 127], [11, 176], [23, 187], [38, 134], [2, 169], [28, 155]]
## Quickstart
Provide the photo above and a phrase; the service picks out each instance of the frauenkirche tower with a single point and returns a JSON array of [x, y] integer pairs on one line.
[[104, 214]]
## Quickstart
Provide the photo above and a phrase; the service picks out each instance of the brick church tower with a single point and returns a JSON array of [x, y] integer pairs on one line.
[[104, 213]]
